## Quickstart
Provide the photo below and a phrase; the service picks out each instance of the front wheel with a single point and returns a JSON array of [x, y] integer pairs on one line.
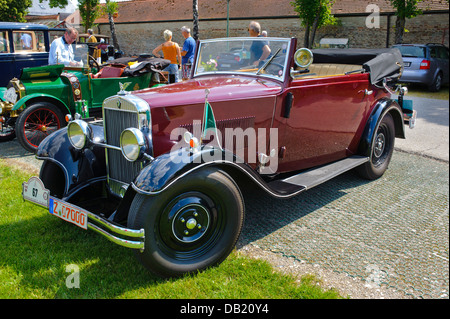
[[37, 122], [192, 225], [381, 149]]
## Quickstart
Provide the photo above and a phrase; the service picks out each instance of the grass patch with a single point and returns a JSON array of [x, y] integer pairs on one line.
[[37, 248]]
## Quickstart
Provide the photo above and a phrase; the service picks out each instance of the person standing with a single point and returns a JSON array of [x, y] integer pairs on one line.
[[61, 50], [92, 38], [260, 50], [187, 53], [171, 51], [25, 39]]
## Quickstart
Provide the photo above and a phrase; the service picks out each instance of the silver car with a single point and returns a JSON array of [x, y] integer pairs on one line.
[[425, 64]]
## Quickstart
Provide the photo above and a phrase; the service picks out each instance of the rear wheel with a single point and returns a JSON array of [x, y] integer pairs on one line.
[[36, 122], [437, 83], [190, 226], [381, 148]]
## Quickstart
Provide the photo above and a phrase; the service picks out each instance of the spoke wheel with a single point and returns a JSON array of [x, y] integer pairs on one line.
[[36, 123]]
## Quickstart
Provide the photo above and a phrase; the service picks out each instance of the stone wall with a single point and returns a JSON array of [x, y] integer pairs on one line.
[[137, 38]]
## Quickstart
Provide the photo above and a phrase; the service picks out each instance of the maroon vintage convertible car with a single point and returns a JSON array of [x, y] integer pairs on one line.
[[162, 173]]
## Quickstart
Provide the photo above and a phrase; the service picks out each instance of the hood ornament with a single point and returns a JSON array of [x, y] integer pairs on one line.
[[123, 87]]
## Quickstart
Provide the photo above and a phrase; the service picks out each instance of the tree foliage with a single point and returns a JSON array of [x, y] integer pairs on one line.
[[89, 12], [313, 15], [14, 10], [405, 9]]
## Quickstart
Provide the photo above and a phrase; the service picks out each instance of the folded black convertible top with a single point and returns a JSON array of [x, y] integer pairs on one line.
[[145, 64], [380, 63]]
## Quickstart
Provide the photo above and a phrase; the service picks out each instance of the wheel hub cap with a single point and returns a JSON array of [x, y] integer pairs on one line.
[[379, 145], [190, 223]]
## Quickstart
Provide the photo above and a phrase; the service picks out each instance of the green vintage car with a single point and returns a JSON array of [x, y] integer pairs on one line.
[[35, 105]]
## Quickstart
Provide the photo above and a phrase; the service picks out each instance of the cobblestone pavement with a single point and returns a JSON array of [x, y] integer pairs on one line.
[[392, 232]]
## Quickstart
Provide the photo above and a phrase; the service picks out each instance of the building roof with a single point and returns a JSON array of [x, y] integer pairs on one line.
[[43, 8], [172, 10]]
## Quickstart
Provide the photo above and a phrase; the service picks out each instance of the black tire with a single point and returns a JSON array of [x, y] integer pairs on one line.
[[381, 149], [437, 84], [36, 122], [192, 225]]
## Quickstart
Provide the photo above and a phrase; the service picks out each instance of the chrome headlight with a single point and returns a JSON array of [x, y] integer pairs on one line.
[[132, 143], [79, 133]]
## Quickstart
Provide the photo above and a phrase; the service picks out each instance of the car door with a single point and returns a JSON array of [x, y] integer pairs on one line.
[[36, 54], [325, 121]]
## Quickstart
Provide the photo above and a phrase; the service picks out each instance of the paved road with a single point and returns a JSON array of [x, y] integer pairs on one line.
[[392, 232], [430, 137]]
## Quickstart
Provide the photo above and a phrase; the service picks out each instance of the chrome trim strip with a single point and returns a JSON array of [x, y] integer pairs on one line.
[[116, 240], [135, 233]]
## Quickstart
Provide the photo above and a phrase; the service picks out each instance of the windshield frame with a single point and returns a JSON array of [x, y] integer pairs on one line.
[[197, 73]]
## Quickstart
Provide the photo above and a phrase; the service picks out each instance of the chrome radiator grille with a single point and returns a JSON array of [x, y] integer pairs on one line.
[[119, 113], [118, 167]]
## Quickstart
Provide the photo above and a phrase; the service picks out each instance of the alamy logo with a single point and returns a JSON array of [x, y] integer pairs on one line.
[[253, 146], [373, 19]]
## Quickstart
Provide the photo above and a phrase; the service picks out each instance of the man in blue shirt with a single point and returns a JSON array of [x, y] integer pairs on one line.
[[260, 50], [187, 52]]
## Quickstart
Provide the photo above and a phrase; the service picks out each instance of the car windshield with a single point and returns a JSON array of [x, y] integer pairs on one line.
[[81, 51], [242, 55], [412, 51]]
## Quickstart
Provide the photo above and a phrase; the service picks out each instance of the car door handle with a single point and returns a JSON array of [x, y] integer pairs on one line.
[[368, 92]]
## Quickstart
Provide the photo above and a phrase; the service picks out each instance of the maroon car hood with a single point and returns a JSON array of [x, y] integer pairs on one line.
[[221, 88]]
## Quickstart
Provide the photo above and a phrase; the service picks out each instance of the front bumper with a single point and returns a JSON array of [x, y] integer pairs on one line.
[[34, 191]]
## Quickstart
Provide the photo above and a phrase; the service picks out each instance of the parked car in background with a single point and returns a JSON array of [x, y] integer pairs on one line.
[[164, 171], [34, 105], [99, 48], [22, 45], [425, 64]]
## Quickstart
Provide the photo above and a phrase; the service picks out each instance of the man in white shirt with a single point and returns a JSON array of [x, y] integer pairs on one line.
[[26, 41], [61, 51]]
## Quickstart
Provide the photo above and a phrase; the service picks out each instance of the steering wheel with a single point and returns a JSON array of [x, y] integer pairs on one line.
[[94, 62]]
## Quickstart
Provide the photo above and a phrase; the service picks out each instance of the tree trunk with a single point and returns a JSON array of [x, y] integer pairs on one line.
[[195, 12], [306, 40], [399, 29], [313, 31], [113, 32]]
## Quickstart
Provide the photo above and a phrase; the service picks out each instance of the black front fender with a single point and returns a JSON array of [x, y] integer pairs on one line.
[[77, 166], [170, 167]]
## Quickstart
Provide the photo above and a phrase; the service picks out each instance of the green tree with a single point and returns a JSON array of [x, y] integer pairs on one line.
[[405, 9], [14, 10], [313, 14], [89, 12]]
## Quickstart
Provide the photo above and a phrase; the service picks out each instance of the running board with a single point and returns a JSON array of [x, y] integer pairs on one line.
[[293, 185], [316, 176]]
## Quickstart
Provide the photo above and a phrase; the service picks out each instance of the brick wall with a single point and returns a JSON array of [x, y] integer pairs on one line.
[[136, 38]]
